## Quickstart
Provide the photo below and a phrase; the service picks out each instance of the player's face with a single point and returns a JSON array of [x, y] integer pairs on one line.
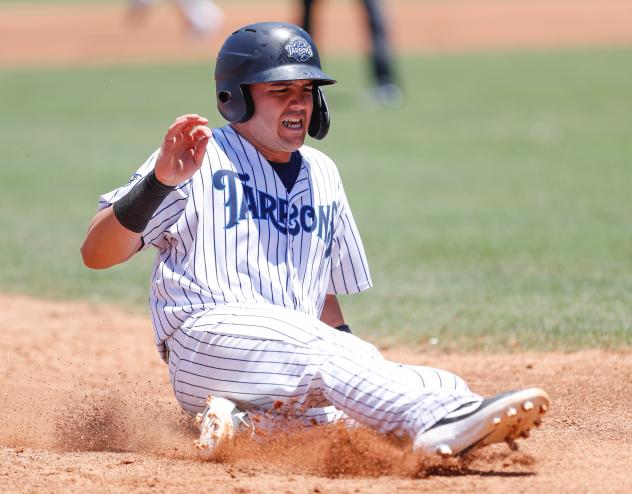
[[281, 118]]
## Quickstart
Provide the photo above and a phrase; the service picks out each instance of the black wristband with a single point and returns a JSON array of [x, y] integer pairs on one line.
[[135, 209], [344, 328]]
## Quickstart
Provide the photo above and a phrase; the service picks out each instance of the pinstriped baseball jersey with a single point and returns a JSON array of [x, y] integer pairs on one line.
[[232, 234]]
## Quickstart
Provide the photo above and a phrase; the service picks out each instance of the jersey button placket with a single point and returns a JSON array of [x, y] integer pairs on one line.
[[294, 282], [294, 198]]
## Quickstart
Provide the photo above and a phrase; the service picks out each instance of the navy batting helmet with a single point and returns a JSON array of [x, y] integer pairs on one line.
[[268, 52]]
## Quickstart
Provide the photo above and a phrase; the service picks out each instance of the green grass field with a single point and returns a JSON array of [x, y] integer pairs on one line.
[[495, 206]]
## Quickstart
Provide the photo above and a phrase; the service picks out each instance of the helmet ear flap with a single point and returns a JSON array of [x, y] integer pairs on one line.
[[236, 107], [319, 123], [250, 104]]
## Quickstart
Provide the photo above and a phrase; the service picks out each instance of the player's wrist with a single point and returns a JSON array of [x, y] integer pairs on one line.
[[162, 180], [135, 209], [157, 185]]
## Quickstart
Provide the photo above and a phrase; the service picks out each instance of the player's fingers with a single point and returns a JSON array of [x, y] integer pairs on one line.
[[193, 116], [172, 142], [200, 131], [180, 140], [200, 149], [177, 125], [183, 125], [189, 121], [197, 132], [192, 126]]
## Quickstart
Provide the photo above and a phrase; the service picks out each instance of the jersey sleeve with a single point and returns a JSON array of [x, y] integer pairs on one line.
[[165, 216], [349, 266]]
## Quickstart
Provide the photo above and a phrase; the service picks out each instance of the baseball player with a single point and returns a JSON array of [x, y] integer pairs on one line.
[[386, 91], [255, 239], [200, 16]]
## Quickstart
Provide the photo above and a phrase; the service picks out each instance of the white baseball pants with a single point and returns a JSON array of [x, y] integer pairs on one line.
[[256, 355]]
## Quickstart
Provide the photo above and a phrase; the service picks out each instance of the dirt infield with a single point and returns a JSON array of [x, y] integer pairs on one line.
[[88, 407], [95, 34]]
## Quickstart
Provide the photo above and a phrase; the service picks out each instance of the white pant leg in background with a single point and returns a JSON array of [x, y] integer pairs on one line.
[[258, 354], [203, 16]]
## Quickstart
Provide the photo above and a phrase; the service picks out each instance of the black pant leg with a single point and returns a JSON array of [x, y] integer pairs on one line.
[[307, 15], [381, 56]]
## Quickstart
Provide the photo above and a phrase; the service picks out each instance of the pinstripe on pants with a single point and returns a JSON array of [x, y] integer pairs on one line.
[[257, 354]]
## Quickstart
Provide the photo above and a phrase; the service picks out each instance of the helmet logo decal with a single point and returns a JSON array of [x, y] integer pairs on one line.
[[299, 49]]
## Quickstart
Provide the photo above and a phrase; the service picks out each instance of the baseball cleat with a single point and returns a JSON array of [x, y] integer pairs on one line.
[[502, 418], [219, 422]]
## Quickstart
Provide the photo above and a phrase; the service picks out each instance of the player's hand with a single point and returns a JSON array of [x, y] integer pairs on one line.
[[182, 151]]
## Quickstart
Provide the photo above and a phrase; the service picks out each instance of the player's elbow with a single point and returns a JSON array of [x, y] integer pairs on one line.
[[94, 259], [89, 260]]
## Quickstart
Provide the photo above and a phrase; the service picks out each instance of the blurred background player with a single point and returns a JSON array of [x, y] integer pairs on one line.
[[386, 91], [201, 17]]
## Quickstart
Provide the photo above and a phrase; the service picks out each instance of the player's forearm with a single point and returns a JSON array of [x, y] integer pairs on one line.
[[115, 233], [332, 313], [108, 242]]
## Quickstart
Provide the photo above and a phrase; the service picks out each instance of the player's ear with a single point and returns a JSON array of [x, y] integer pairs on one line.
[[319, 123]]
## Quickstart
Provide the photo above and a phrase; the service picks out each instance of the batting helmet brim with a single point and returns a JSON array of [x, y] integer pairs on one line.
[[290, 73]]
